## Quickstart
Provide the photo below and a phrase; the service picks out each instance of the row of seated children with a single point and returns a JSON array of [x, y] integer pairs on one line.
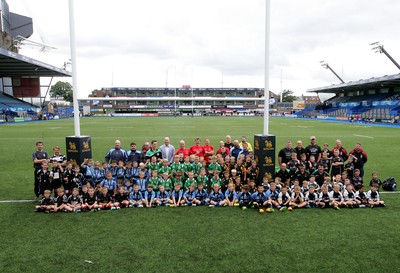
[[100, 199]]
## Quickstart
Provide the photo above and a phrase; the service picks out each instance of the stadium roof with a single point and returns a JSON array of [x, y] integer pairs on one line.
[[372, 83], [16, 65]]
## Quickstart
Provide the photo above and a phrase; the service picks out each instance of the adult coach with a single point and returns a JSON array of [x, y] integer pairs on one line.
[[60, 158], [228, 142], [208, 150], [38, 157], [360, 158], [236, 149], [285, 154], [342, 151], [244, 140], [299, 149], [182, 149], [313, 149], [154, 151], [197, 149], [167, 150], [116, 153]]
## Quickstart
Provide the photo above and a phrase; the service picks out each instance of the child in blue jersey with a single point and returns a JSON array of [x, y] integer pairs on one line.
[[87, 170], [177, 196], [110, 184], [272, 197], [128, 186], [149, 196], [244, 198], [136, 198], [162, 197], [129, 172], [189, 197], [230, 195], [113, 168], [373, 197], [216, 197], [121, 198], [201, 195], [259, 198], [98, 173], [142, 182], [121, 172]]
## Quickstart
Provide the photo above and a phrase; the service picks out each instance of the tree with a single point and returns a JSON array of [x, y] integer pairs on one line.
[[62, 89], [287, 96]]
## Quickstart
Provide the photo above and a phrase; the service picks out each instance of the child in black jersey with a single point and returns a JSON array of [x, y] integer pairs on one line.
[[74, 202], [61, 201], [47, 203], [311, 197]]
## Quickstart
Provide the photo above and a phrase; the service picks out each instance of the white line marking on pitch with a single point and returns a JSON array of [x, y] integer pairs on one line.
[[54, 128], [363, 136], [17, 201]]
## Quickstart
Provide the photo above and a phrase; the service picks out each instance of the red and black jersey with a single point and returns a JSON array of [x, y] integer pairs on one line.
[[101, 198], [121, 197], [90, 200]]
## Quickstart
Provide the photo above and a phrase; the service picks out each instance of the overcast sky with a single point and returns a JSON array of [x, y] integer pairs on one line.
[[210, 43]]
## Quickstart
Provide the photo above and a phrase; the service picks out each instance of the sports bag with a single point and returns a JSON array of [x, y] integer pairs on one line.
[[389, 184]]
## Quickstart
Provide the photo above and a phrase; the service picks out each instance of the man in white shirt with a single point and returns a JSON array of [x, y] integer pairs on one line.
[[167, 150]]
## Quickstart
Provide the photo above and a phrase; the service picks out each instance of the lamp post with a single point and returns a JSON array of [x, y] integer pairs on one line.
[[378, 47], [326, 65]]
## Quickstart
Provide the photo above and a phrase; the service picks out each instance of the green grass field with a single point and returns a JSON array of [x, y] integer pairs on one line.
[[194, 239]]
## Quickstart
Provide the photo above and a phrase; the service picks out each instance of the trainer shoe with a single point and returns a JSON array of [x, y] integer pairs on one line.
[[337, 208], [308, 207], [244, 208], [283, 209], [269, 210], [290, 209], [361, 206], [261, 211], [236, 204], [211, 206], [78, 211], [193, 205]]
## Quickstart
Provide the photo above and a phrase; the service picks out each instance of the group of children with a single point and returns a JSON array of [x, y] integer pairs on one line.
[[265, 197]]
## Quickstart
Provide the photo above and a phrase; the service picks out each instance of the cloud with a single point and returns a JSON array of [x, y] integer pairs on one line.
[[198, 41]]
